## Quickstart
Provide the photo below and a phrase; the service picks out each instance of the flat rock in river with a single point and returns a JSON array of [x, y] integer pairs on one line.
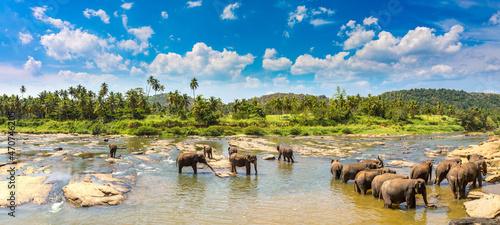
[[28, 188], [486, 207], [90, 194]]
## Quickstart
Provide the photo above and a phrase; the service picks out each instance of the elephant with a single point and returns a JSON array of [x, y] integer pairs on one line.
[[231, 150], [112, 150], [443, 167], [191, 159], [473, 172], [457, 179], [207, 151], [378, 161], [363, 180], [336, 168], [474, 157], [380, 179], [403, 190], [240, 160], [350, 171], [286, 151], [422, 170]]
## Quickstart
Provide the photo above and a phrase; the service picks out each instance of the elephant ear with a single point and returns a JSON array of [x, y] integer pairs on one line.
[[247, 157], [448, 167], [468, 157]]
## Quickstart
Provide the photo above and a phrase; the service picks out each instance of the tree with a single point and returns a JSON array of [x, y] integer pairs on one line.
[[194, 85], [23, 90]]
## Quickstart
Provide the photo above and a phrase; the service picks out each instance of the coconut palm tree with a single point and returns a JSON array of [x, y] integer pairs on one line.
[[194, 85], [23, 90]]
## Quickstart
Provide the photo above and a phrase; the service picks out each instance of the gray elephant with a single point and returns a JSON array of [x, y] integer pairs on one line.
[[443, 168], [240, 160], [336, 168], [474, 157], [350, 171], [286, 151], [363, 180], [112, 150], [473, 172], [231, 150], [380, 179], [422, 170], [403, 190], [191, 159], [378, 161], [207, 151], [457, 179]]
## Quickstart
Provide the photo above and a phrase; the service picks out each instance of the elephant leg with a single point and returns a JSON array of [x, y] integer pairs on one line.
[[453, 190], [291, 157], [363, 191], [180, 168], [195, 169], [279, 156], [480, 179], [248, 169], [387, 203]]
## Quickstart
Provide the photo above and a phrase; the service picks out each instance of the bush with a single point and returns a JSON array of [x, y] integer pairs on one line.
[[191, 130], [176, 131], [295, 131], [278, 131], [97, 128], [213, 131], [134, 124], [347, 130], [497, 132], [145, 130], [253, 130], [3, 119]]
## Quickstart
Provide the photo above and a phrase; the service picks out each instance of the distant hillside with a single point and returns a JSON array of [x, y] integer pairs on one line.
[[459, 99], [266, 98]]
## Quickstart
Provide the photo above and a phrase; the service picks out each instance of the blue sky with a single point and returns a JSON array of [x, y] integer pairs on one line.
[[242, 49]]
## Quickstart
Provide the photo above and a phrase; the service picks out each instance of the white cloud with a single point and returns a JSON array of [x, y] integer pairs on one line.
[[306, 64], [286, 34], [127, 6], [493, 68], [164, 15], [32, 66], [252, 82], [192, 4], [328, 11], [272, 63], [362, 83], [319, 22], [129, 45], [25, 38], [115, 13], [358, 35], [100, 13], [134, 70], [142, 35], [39, 13], [370, 20], [202, 60], [89, 65], [441, 69], [495, 19], [281, 81], [108, 62], [81, 77], [228, 13], [297, 16]]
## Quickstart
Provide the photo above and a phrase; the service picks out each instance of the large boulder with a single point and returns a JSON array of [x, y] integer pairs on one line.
[[269, 157], [486, 207], [90, 194], [493, 179], [400, 163], [474, 221], [28, 188]]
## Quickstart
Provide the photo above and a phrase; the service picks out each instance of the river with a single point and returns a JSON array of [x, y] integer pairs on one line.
[[300, 193]]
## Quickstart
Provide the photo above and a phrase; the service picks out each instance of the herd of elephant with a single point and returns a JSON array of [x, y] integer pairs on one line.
[[396, 189], [367, 174]]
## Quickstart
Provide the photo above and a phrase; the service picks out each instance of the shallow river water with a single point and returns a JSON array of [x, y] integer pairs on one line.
[[282, 193]]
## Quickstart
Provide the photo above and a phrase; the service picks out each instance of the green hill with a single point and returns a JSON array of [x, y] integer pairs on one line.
[[459, 99]]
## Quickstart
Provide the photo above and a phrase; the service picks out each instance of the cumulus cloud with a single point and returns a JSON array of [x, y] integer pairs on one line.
[[80, 77], [362, 83], [202, 60], [297, 16], [319, 22], [495, 19], [39, 14], [32, 66], [272, 63], [301, 13], [358, 35], [100, 13], [127, 6], [164, 15], [228, 13], [192, 4], [252, 82], [306, 64], [142, 35], [134, 70], [370, 20], [25, 38], [281, 81]]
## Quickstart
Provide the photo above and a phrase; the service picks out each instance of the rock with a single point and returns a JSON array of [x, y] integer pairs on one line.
[[486, 207], [164, 153], [91, 194], [199, 166], [130, 162], [106, 177], [103, 155], [474, 221], [2, 164], [118, 188], [137, 153], [105, 140], [475, 195], [87, 180], [150, 152], [113, 160], [90, 159], [38, 159], [493, 178], [58, 149], [17, 167], [400, 163], [27, 188], [40, 201], [269, 157], [225, 174], [221, 164], [145, 158]]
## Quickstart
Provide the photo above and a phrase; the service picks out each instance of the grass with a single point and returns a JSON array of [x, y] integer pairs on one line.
[[271, 125]]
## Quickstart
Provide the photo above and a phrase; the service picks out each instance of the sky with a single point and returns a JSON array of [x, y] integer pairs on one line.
[[242, 49]]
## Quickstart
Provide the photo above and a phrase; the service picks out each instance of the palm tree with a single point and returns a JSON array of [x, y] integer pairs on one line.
[[132, 100], [194, 86], [23, 90], [104, 90]]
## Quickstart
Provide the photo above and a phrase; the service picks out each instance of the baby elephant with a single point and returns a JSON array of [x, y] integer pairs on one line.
[[191, 159], [458, 180], [286, 151], [231, 150], [422, 170], [380, 179], [112, 150], [336, 168], [207, 151], [403, 190], [363, 180], [443, 168], [240, 160]]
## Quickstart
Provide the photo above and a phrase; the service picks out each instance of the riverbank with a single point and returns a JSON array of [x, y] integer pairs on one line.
[[273, 125]]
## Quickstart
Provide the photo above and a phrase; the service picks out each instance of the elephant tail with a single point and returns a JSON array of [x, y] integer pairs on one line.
[[356, 186]]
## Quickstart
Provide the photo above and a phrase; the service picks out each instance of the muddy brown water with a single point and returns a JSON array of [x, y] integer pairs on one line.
[[300, 193]]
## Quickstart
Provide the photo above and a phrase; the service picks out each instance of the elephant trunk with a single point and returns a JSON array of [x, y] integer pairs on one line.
[[424, 196], [210, 167]]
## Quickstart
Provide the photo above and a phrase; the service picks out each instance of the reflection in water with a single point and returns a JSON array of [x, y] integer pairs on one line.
[[302, 193]]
